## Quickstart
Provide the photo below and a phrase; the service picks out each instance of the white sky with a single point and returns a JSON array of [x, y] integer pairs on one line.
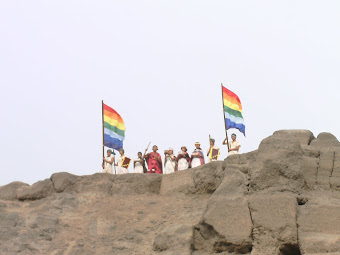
[[160, 65]]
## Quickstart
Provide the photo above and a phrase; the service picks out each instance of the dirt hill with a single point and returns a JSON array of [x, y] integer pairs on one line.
[[283, 198]]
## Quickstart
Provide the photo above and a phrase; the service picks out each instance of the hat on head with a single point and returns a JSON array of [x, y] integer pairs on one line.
[[197, 143], [171, 149], [233, 135], [121, 149], [213, 140], [184, 147]]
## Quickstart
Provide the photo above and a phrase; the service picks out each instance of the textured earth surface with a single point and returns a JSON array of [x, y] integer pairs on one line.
[[282, 199]]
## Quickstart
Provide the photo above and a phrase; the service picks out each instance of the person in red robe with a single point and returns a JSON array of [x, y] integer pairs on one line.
[[154, 161]]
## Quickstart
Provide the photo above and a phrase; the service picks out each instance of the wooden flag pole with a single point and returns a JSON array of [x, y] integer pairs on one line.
[[225, 123], [103, 131]]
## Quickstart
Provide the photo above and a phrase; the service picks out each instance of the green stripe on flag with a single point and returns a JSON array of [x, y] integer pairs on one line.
[[233, 112], [114, 129]]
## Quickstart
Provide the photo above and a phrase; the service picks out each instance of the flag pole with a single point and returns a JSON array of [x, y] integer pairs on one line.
[[225, 123], [103, 131]]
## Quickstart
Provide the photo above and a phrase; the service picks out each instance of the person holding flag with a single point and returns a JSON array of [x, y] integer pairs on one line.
[[108, 162], [113, 132], [234, 146], [233, 118]]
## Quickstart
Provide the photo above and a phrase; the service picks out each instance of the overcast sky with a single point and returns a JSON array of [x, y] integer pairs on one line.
[[159, 64]]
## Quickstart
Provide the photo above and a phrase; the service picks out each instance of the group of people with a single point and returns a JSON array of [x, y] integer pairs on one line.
[[152, 162]]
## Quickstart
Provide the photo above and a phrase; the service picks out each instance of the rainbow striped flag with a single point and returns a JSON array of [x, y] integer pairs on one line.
[[233, 111], [114, 128]]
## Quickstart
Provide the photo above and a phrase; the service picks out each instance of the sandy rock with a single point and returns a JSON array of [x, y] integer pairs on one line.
[[226, 225], [240, 161], [177, 182], [282, 199], [63, 181], [305, 137], [174, 240], [97, 183], [132, 184], [47, 223], [274, 223], [325, 140], [278, 165], [38, 190], [319, 226], [310, 167], [199, 180], [325, 167], [9, 191], [208, 177]]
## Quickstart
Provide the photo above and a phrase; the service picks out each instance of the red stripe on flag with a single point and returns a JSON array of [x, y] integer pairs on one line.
[[231, 94]]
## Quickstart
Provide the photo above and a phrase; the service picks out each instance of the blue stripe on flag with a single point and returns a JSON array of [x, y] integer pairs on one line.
[[232, 118], [240, 127], [113, 134], [112, 143]]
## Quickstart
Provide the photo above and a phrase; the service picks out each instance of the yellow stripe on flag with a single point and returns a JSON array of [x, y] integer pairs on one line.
[[115, 123]]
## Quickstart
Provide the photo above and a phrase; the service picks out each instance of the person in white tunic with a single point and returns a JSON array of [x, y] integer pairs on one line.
[[121, 170], [108, 162], [197, 157], [170, 161], [234, 146], [139, 164], [183, 159]]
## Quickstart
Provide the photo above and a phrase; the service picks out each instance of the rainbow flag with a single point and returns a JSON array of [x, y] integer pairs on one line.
[[233, 111], [114, 128]]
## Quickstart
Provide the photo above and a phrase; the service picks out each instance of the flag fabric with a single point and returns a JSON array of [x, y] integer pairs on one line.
[[233, 111], [114, 128]]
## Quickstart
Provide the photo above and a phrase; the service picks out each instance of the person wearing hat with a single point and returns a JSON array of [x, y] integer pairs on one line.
[[121, 170], [169, 161], [197, 156], [154, 161], [183, 159], [107, 163], [234, 145], [214, 151]]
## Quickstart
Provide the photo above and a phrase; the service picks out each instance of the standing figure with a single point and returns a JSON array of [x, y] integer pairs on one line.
[[214, 151], [234, 146], [154, 161], [121, 170], [139, 164], [183, 159], [169, 161], [107, 163], [197, 157]]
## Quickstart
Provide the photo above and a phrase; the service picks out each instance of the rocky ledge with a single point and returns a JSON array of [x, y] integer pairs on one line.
[[282, 199]]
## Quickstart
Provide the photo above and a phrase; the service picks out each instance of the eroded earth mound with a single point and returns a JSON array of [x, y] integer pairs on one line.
[[283, 198]]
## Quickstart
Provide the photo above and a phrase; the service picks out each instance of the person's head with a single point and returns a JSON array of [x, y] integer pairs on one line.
[[109, 153], [121, 151], [154, 148], [184, 148], [197, 145], [212, 142], [233, 137], [139, 154], [171, 151]]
